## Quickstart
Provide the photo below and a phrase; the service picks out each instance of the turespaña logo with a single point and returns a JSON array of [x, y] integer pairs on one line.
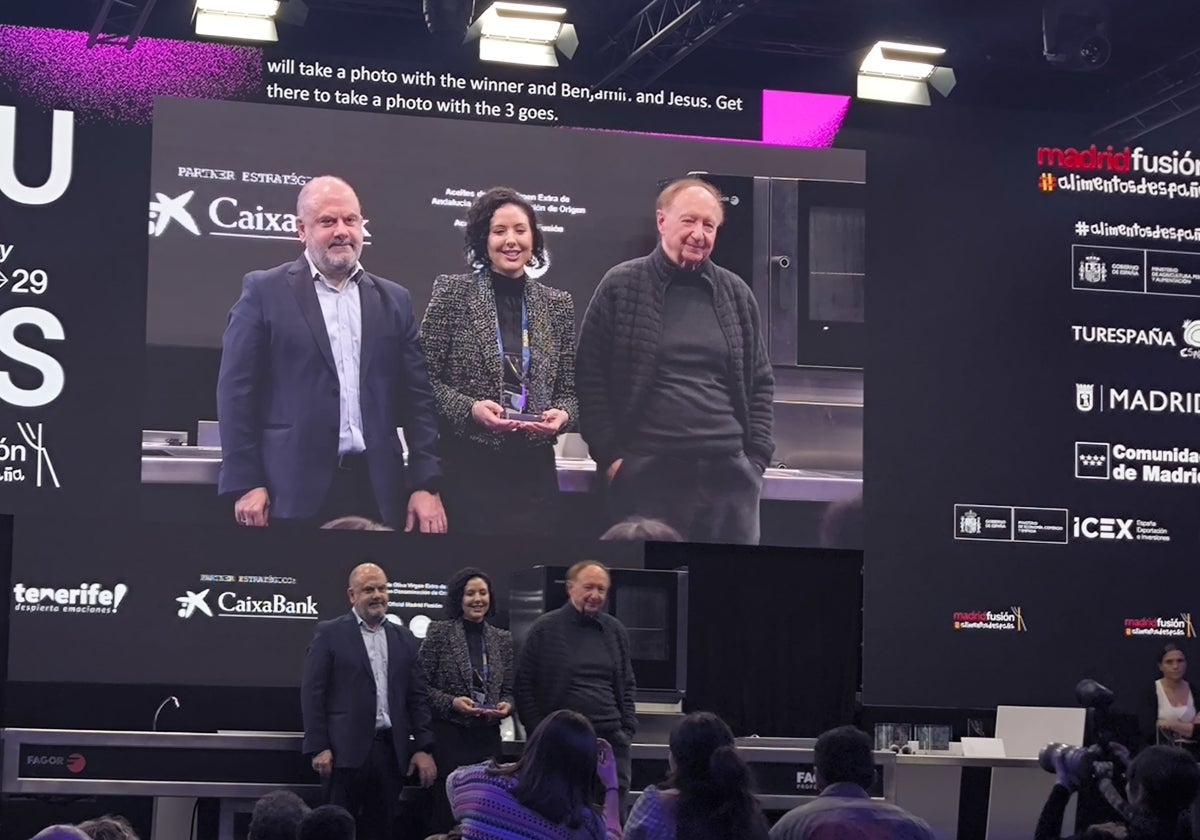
[[1092, 270], [1085, 396], [1011, 619], [90, 598], [164, 210], [231, 605], [1191, 337], [1179, 626]]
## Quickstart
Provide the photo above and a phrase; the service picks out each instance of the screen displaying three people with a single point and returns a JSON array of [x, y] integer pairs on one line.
[[668, 381]]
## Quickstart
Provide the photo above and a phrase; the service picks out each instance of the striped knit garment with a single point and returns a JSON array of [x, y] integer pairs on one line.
[[483, 803]]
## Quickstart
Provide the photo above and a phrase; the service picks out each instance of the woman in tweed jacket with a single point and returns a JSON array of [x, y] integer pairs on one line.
[[498, 342], [469, 668]]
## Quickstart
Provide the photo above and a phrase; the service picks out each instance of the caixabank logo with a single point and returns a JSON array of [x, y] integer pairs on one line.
[[1011, 620], [232, 604]]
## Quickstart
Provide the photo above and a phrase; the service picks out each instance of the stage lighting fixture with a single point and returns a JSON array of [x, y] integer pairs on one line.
[[236, 20], [894, 72], [1075, 34], [523, 33]]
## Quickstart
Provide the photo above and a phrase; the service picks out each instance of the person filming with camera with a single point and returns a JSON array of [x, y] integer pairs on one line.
[[1161, 782]]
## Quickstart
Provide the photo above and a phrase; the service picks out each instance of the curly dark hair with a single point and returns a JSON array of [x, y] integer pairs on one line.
[[479, 223], [457, 585]]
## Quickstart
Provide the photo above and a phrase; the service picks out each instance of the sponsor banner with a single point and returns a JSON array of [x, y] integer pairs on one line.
[[1010, 524], [1169, 466], [82, 599], [1176, 626], [1011, 619], [1051, 525]]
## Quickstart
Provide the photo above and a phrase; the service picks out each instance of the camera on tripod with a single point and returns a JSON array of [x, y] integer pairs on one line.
[[1097, 769]]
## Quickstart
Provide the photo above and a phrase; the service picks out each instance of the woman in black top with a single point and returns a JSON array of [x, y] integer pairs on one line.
[[501, 352], [468, 664]]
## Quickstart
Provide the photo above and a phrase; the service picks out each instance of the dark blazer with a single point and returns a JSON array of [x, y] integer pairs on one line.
[[277, 394], [458, 333], [544, 668], [447, 664], [337, 695]]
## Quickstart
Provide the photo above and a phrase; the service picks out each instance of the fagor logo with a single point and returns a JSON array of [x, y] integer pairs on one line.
[[61, 160], [164, 210], [90, 598]]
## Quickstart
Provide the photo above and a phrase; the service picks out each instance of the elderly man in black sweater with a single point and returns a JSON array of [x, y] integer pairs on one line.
[[577, 657], [674, 381]]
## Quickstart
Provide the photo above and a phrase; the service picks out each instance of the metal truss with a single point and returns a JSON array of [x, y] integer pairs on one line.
[[664, 33], [1171, 92], [120, 22]]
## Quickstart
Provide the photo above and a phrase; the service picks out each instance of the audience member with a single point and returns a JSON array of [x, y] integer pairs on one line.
[[708, 793], [547, 795], [277, 816], [642, 528], [60, 832], [328, 822], [109, 827], [354, 523], [844, 810]]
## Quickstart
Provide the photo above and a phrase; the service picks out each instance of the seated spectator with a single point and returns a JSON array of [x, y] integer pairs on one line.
[[547, 795], [60, 832], [277, 816], [354, 523], [109, 827], [844, 810], [328, 822], [707, 795], [642, 528]]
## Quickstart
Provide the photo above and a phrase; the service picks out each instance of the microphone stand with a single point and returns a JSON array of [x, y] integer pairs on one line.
[[170, 700]]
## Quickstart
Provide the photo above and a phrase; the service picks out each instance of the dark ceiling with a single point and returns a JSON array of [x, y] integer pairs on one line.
[[995, 47]]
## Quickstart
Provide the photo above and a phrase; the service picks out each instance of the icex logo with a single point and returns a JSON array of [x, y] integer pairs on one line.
[[165, 210]]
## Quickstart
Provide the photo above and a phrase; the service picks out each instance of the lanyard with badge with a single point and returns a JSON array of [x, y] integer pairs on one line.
[[515, 400], [479, 695]]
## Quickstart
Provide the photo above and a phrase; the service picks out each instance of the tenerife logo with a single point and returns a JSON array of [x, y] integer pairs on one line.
[[61, 160], [1011, 619], [164, 210], [231, 605], [1179, 626], [90, 598]]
